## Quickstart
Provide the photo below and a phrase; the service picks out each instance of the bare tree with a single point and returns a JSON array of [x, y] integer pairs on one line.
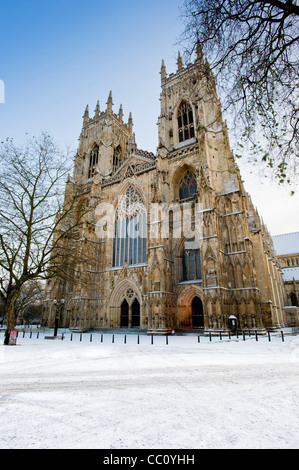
[[36, 223], [252, 46], [29, 303]]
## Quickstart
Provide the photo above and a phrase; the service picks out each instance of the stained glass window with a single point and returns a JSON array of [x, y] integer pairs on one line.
[[130, 230], [191, 262], [188, 186]]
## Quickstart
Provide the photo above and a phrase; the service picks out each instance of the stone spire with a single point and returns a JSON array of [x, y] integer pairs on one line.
[[109, 103], [163, 72], [130, 123], [86, 116], [132, 143], [199, 52], [97, 110], [120, 113], [180, 63]]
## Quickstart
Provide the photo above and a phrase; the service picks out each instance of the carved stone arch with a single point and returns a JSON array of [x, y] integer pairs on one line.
[[177, 174], [188, 101], [125, 292], [185, 305], [94, 144], [124, 186], [120, 290]]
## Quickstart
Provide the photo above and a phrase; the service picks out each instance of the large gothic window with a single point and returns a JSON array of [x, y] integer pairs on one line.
[[130, 230], [188, 186], [185, 122], [191, 261], [93, 161]]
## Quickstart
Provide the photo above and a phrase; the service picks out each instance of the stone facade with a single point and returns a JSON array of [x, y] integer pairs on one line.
[[200, 256], [287, 250]]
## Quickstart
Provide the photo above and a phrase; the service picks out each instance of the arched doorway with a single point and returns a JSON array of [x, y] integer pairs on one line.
[[135, 314], [124, 321], [190, 308], [197, 313]]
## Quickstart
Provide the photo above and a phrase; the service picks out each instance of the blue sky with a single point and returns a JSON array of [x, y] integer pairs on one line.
[[58, 56]]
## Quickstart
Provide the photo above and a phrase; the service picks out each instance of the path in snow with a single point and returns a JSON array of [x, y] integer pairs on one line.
[[187, 395]]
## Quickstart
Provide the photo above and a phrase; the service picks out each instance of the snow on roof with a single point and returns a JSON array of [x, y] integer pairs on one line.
[[286, 244], [290, 273]]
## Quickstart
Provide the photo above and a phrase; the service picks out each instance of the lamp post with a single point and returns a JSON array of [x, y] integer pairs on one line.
[[58, 304]]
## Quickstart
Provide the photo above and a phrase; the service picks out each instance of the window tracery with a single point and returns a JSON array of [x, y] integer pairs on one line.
[[130, 230], [185, 122], [188, 186], [191, 261], [93, 161]]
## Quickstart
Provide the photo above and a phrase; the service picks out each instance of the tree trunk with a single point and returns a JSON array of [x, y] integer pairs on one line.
[[10, 316]]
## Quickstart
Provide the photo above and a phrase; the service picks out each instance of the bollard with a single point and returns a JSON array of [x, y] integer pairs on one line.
[[37, 336], [220, 335], [62, 337], [101, 338], [269, 337], [91, 338], [138, 339], [166, 339], [210, 336], [282, 337], [23, 334], [112, 338], [243, 335], [30, 334], [71, 336], [198, 339], [152, 340], [80, 336], [125, 339], [256, 337]]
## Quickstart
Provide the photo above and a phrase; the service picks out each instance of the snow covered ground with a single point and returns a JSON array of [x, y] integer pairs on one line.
[[184, 395]]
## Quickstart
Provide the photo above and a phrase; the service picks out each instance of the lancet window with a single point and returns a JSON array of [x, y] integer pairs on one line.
[[130, 230], [185, 122], [191, 261], [93, 161], [117, 158]]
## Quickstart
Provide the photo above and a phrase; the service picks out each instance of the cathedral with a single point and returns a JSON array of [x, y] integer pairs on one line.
[[170, 241]]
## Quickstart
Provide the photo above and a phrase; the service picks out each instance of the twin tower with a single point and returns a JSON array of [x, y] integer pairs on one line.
[[151, 272]]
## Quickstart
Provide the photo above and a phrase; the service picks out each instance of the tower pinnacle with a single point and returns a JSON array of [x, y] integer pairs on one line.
[[97, 110], [120, 113], [180, 63], [86, 115], [109, 103], [163, 72]]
